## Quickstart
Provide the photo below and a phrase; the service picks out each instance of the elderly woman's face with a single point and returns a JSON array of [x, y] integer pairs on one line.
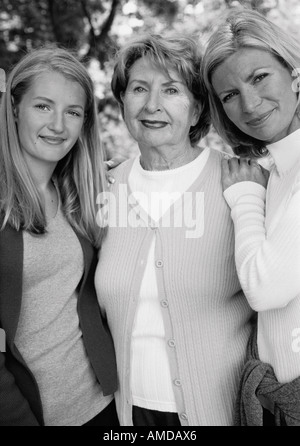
[[257, 96], [159, 109]]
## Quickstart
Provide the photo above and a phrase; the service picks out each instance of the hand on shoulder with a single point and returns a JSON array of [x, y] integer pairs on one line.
[[111, 164], [235, 170]]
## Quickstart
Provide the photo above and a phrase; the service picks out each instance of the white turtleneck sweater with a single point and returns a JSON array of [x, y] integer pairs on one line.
[[267, 250]]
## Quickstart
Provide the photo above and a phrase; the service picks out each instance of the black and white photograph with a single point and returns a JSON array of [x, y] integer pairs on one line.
[[149, 216]]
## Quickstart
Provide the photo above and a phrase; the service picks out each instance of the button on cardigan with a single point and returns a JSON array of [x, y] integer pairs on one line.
[[206, 316]]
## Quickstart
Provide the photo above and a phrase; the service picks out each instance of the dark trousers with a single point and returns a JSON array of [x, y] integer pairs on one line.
[[268, 418], [108, 417], [147, 417]]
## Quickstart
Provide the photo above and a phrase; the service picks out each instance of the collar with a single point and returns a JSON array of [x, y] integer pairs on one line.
[[286, 152]]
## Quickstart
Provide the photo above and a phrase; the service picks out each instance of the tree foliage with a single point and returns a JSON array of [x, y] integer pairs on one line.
[[95, 29]]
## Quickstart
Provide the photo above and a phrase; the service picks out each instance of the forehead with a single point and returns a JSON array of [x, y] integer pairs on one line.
[[240, 65], [56, 87], [145, 67]]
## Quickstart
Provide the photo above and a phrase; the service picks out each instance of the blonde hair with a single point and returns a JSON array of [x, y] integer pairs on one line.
[[244, 29], [79, 175]]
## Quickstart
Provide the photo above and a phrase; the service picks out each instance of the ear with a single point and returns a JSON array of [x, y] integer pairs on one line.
[[197, 113]]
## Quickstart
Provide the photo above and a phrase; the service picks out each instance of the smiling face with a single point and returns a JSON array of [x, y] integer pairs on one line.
[[49, 119], [159, 109], [256, 93]]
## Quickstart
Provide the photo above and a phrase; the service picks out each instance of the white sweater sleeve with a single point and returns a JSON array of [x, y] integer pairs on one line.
[[268, 266]]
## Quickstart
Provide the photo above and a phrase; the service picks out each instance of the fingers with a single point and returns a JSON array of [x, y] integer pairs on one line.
[[110, 180], [110, 164], [115, 161], [235, 170], [266, 173], [234, 164], [225, 166]]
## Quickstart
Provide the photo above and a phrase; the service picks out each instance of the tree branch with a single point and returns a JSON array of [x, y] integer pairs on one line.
[[109, 21], [92, 36]]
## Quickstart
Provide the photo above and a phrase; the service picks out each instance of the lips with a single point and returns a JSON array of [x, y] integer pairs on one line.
[[259, 120], [52, 139], [153, 124]]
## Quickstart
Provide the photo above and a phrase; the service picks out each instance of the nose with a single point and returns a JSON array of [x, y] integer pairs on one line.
[[153, 103], [57, 123], [250, 100]]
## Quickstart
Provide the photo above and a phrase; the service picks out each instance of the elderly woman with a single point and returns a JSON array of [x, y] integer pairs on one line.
[[166, 278], [249, 69]]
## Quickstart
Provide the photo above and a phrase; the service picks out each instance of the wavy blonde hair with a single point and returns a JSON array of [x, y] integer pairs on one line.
[[244, 28], [79, 175]]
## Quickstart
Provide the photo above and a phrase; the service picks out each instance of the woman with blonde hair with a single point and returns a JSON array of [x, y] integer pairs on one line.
[[250, 69], [59, 366]]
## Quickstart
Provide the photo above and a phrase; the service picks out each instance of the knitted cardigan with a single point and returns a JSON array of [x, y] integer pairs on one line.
[[206, 316]]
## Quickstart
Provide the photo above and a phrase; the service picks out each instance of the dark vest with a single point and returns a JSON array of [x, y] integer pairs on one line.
[[20, 402]]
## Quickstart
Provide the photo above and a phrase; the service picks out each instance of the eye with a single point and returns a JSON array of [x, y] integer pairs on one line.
[[74, 113], [171, 90], [228, 97], [42, 107], [139, 89], [259, 78]]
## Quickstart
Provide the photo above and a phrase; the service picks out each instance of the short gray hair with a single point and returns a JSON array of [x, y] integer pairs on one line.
[[182, 53]]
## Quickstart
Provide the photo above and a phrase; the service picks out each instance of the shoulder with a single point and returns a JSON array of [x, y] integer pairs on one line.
[[220, 154], [215, 159], [122, 169]]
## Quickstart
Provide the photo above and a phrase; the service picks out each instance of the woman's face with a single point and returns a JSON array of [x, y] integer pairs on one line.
[[50, 117], [257, 96], [159, 109]]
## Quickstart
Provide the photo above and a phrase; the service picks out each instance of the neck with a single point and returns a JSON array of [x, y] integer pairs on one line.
[[41, 174], [167, 158]]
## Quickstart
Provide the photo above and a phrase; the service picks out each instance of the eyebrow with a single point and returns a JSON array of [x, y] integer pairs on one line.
[[141, 81], [42, 98]]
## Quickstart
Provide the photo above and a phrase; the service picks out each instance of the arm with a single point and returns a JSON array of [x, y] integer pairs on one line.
[[268, 267], [17, 387], [14, 408]]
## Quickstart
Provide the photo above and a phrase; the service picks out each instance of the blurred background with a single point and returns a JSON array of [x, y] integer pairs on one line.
[[95, 29]]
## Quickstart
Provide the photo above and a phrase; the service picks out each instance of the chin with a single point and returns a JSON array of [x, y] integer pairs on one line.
[[265, 136]]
